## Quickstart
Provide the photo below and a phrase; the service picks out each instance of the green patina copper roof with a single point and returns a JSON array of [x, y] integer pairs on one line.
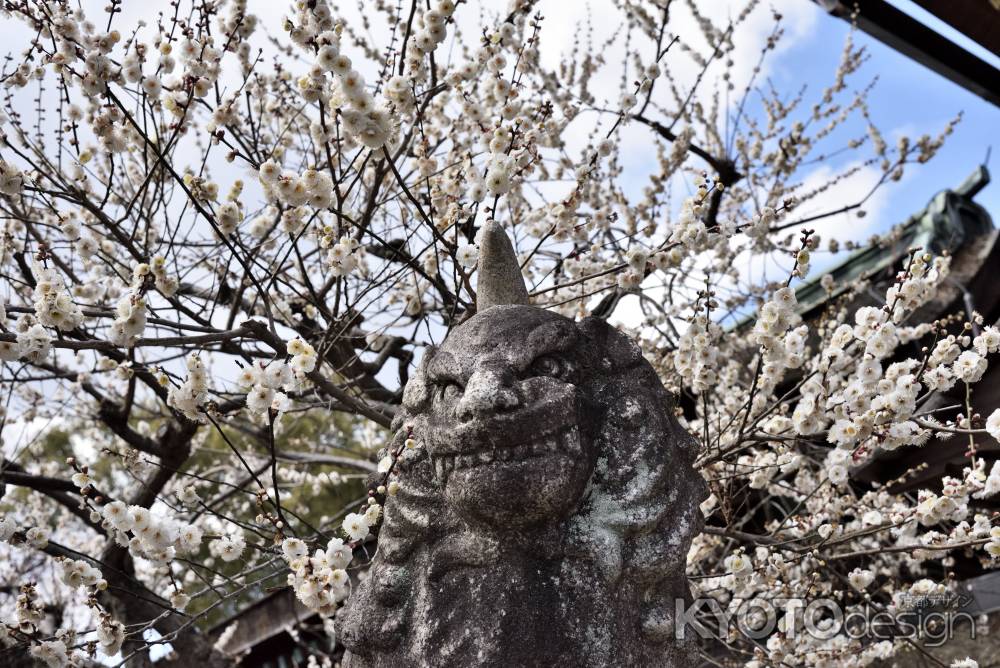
[[949, 221]]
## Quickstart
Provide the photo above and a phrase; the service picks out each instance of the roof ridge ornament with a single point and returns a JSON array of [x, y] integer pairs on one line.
[[500, 279]]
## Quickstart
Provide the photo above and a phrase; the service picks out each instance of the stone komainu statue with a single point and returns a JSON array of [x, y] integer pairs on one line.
[[546, 516]]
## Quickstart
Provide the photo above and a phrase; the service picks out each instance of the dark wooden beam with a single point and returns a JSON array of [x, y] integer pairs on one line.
[[976, 19], [912, 38]]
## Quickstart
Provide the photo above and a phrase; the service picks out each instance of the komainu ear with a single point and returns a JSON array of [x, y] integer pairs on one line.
[[557, 335], [620, 351]]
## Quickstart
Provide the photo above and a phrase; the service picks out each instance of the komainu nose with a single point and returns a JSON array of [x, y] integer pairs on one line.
[[489, 390]]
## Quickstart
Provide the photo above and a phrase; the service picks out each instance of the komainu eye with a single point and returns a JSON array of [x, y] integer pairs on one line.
[[547, 365], [449, 390]]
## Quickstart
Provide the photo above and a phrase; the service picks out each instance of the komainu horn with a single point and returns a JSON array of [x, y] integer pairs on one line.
[[546, 516]]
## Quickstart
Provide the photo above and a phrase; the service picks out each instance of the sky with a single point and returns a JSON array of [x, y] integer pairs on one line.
[[907, 98]]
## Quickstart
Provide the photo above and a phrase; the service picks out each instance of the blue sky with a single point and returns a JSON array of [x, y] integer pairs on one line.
[[909, 97]]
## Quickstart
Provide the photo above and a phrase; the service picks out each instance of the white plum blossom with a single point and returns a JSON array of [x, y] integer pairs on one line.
[[356, 526], [11, 179], [969, 367], [861, 578], [208, 203], [110, 636], [193, 392], [993, 424], [54, 306], [467, 255], [320, 582], [52, 652], [229, 548]]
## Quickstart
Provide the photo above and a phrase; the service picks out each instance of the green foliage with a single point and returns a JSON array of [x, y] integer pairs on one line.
[[306, 505]]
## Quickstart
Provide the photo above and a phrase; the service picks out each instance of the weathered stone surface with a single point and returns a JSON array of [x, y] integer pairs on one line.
[[546, 516]]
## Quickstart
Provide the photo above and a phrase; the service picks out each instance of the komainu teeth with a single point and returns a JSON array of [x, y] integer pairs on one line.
[[567, 442]]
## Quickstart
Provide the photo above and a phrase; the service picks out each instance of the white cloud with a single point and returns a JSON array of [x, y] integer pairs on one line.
[[847, 226], [561, 31], [19, 435]]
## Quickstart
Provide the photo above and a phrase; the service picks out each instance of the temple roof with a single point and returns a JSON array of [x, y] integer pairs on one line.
[[949, 222]]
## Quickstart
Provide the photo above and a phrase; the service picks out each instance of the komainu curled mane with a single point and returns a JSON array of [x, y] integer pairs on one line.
[[546, 516]]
